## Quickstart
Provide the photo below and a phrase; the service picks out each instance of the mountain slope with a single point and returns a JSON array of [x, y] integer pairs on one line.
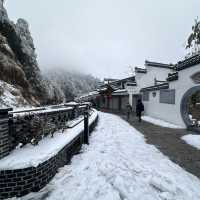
[[18, 62], [20, 72], [72, 84]]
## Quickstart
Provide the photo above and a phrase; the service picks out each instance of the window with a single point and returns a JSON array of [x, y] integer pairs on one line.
[[145, 96], [167, 96]]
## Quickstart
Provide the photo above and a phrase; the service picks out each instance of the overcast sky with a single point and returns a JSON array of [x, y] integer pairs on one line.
[[104, 37]]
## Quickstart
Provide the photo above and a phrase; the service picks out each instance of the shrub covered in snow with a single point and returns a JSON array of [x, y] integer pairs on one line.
[[31, 127]]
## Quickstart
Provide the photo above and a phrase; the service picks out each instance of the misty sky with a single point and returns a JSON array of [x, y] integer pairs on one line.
[[104, 37]]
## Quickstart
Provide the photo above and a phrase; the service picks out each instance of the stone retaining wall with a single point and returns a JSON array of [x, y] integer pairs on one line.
[[4, 133], [16, 183]]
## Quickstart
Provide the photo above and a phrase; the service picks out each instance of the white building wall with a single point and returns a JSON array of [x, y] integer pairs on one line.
[[152, 72], [131, 90], [147, 79], [182, 86], [172, 112], [166, 112], [153, 107]]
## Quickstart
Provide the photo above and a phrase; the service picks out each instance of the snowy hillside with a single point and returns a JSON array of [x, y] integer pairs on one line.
[[72, 84], [11, 96]]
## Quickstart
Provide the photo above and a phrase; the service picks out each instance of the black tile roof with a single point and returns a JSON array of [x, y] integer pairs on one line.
[[156, 87], [140, 70], [156, 64], [172, 77], [189, 62], [128, 79]]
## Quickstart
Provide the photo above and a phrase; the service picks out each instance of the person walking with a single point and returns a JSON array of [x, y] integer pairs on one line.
[[139, 109], [128, 109]]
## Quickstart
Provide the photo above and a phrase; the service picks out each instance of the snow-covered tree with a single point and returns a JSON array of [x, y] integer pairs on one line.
[[193, 40]]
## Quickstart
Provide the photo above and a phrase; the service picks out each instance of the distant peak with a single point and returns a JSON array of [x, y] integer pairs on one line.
[[1, 3]]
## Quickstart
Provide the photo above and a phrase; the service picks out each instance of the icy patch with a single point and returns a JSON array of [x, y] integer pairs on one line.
[[193, 140], [32, 156], [119, 165], [160, 122]]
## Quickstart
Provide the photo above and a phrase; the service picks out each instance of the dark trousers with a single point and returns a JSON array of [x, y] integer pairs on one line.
[[128, 115], [139, 114]]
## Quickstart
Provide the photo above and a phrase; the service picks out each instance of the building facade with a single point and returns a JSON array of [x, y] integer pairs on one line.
[[165, 90]]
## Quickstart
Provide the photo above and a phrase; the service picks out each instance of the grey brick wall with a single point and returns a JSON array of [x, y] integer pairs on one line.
[[16, 183], [4, 132]]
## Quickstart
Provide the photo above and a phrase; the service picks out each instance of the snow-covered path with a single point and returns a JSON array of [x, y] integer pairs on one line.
[[119, 165]]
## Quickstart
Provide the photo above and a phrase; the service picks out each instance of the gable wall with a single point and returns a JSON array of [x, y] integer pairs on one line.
[[152, 72]]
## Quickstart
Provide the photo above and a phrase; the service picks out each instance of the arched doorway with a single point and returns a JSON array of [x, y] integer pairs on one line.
[[190, 108]]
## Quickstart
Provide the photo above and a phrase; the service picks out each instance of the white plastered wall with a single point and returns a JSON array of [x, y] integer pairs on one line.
[[147, 79], [167, 112], [172, 112]]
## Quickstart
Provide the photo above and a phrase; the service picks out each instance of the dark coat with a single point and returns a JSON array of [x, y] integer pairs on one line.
[[139, 107]]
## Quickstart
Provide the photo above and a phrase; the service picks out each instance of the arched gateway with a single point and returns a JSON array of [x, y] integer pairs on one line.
[[185, 108]]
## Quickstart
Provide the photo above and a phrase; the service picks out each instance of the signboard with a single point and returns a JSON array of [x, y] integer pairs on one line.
[[132, 90]]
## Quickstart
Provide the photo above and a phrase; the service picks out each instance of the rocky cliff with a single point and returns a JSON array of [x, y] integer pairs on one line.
[[21, 81], [18, 62]]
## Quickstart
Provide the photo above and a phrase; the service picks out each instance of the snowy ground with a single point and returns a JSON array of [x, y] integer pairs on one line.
[[119, 165], [160, 122], [193, 140]]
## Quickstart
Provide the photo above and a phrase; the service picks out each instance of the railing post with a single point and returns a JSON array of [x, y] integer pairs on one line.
[[4, 132], [86, 127], [74, 111]]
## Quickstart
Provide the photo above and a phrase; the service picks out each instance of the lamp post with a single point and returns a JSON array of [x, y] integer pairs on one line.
[[86, 126]]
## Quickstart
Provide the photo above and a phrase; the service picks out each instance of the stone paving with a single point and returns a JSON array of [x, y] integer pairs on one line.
[[169, 142]]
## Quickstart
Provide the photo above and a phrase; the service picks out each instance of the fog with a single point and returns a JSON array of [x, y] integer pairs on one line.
[[104, 37]]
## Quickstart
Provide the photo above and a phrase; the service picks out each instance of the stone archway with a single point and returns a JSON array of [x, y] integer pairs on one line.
[[185, 107]]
